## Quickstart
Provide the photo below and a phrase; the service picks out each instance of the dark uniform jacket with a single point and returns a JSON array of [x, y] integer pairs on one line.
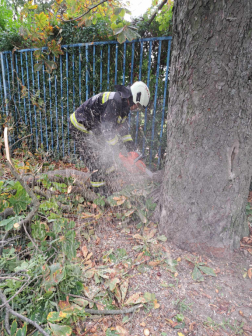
[[106, 114]]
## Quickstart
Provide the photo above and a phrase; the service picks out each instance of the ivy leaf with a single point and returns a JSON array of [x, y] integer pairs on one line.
[[122, 13], [207, 270], [23, 331], [57, 274], [20, 200], [112, 284], [50, 66], [118, 10], [149, 296], [57, 316], [13, 327], [81, 302], [38, 66], [135, 299], [60, 330], [110, 332], [162, 238], [196, 274]]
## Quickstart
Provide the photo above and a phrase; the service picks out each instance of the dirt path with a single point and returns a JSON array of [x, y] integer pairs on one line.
[[213, 305]]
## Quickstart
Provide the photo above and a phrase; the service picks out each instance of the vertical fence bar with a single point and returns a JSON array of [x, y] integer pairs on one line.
[[164, 101], [2, 99], [40, 115], [8, 76], [116, 61], [45, 109], [18, 88], [87, 69], [28, 88], [73, 65], [67, 97], [22, 74], [56, 108], [50, 107], [8, 81], [4, 83], [132, 62], [34, 106], [155, 102], [108, 67], [14, 95], [62, 106], [94, 70], [101, 70], [1, 90], [148, 83], [80, 75], [124, 61], [139, 78], [131, 74]]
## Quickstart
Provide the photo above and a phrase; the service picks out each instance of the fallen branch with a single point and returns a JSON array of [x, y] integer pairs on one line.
[[25, 319], [58, 175], [112, 312], [47, 195], [27, 136], [6, 302], [29, 191]]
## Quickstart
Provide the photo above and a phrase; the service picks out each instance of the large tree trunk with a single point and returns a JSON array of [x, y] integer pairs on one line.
[[209, 155]]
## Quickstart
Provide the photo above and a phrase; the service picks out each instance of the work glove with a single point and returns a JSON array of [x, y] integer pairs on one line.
[[129, 164]]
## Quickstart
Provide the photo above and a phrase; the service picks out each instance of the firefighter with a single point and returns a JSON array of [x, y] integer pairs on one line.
[[99, 127]]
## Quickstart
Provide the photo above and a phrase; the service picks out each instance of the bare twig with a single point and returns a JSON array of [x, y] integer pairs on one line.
[[7, 321], [112, 312], [13, 296], [92, 326], [27, 136], [12, 278], [32, 241], [158, 9], [29, 191], [89, 10], [11, 311]]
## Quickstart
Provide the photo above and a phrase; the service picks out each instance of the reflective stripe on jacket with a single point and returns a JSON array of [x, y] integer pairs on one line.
[[79, 126]]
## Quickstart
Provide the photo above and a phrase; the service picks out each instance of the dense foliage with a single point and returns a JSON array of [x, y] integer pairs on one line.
[[24, 24]]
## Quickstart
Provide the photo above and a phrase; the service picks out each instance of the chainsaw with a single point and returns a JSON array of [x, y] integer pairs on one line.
[[133, 163]]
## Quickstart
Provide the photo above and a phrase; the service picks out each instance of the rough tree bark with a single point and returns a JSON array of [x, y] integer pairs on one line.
[[209, 160]]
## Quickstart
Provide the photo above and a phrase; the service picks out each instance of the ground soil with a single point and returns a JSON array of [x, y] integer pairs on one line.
[[217, 306]]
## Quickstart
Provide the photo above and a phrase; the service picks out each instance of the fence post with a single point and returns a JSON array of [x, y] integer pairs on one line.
[[4, 82]]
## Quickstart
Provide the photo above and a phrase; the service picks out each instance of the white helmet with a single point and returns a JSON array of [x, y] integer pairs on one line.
[[140, 93]]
